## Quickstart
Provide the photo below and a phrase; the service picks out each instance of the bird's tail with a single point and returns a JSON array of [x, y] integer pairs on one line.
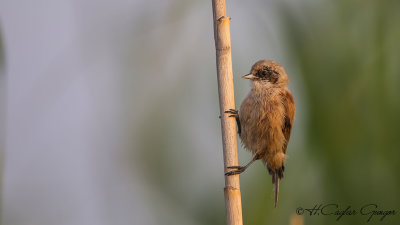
[[276, 182], [276, 176]]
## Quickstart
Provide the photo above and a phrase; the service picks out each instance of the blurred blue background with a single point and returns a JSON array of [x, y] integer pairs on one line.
[[109, 110]]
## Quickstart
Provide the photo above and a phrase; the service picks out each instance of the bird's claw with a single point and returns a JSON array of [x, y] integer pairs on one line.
[[238, 170], [234, 112], [234, 167]]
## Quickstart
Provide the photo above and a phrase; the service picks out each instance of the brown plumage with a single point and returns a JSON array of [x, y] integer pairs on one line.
[[266, 118]]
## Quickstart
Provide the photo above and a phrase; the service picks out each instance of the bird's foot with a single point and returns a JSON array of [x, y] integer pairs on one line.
[[233, 112], [238, 170]]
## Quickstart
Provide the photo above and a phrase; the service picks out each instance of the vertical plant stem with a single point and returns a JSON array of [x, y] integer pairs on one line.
[[233, 202]]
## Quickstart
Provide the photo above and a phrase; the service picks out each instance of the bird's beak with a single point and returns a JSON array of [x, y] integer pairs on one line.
[[249, 76]]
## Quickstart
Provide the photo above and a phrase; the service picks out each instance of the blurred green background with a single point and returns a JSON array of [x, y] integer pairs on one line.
[[111, 110]]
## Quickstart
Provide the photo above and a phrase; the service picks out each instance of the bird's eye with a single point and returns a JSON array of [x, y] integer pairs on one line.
[[264, 72]]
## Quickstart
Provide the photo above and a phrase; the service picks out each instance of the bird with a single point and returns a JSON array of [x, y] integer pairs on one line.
[[265, 119]]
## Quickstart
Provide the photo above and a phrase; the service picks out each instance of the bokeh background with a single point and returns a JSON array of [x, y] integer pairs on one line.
[[109, 110]]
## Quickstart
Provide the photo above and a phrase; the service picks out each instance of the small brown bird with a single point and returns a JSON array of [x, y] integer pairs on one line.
[[266, 118]]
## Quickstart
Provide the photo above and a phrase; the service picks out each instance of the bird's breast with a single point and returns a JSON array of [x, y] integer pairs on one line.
[[261, 118]]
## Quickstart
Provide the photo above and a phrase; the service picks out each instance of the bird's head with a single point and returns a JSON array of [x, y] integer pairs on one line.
[[268, 74]]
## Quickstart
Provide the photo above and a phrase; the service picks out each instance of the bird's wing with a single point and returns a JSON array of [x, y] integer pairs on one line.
[[290, 112]]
